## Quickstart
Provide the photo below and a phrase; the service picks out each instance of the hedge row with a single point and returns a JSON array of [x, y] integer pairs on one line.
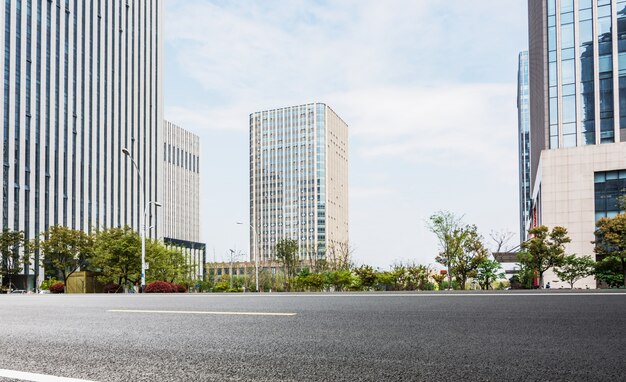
[[165, 287]]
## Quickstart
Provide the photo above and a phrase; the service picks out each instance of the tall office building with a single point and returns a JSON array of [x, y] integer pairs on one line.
[[299, 180], [523, 121], [82, 80], [181, 195], [577, 67]]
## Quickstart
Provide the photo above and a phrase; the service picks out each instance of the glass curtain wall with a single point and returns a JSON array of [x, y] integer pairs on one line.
[[605, 69], [621, 47], [587, 98], [552, 76]]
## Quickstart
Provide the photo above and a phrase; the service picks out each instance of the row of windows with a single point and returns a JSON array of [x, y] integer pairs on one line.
[[568, 111], [181, 158], [609, 188]]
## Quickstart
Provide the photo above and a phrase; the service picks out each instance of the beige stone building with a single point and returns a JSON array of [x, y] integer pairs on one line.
[[298, 180], [181, 195]]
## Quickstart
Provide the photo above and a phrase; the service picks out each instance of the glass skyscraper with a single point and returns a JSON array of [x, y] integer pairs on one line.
[[577, 87], [585, 53], [523, 120], [299, 180], [82, 80]]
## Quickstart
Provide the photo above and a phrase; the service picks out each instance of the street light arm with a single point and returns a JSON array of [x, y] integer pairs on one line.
[[128, 154]]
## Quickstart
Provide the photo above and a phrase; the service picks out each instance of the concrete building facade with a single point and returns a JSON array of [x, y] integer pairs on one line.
[[299, 181], [181, 195], [82, 80]]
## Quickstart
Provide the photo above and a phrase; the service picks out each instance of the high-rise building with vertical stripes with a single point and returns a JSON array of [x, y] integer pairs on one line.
[[299, 181], [577, 73], [82, 81], [180, 220]]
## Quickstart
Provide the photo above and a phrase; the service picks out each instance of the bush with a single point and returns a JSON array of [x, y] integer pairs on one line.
[[45, 284], [159, 287], [57, 288], [180, 288], [112, 288]]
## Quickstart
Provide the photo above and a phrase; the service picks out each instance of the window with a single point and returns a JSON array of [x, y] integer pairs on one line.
[[609, 186]]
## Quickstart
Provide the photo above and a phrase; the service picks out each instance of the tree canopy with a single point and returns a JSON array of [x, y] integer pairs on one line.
[[66, 249], [117, 255], [287, 255], [546, 249], [610, 246]]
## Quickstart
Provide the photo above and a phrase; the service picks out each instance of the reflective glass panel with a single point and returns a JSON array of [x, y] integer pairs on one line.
[[569, 109], [604, 11], [567, 18], [604, 27], [567, 6], [554, 142], [569, 140], [552, 73], [567, 72], [585, 14], [551, 38], [551, 7], [569, 89], [569, 128], [586, 32], [567, 36], [567, 54], [554, 119]]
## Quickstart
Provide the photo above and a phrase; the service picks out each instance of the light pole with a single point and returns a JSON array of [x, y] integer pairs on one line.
[[256, 258], [143, 219]]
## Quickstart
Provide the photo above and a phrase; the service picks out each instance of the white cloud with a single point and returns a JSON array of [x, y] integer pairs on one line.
[[444, 125]]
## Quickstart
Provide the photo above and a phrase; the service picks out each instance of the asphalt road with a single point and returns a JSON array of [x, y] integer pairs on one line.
[[326, 337]]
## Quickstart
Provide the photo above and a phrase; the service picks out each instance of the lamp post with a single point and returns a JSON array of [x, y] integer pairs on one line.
[[256, 257], [143, 218]]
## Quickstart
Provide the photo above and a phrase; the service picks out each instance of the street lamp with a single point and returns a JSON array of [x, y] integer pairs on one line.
[[256, 257], [143, 218]]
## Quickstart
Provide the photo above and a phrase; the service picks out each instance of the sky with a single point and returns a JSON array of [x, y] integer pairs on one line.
[[427, 88]]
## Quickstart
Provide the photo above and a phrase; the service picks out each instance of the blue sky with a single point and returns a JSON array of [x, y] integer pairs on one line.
[[427, 87]]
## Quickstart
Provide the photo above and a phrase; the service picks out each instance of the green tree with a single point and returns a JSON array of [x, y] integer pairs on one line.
[[340, 280], [473, 252], [610, 245], [166, 264], [448, 228], [524, 277], [66, 250], [544, 250], [575, 268], [366, 276], [287, 255], [117, 255], [609, 271], [487, 272], [10, 244]]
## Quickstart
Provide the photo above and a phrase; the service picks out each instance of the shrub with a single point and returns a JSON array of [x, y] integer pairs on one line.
[[180, 288], [45, 284], [57, 288], [220, 287], [159, 287], [112, 288]]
